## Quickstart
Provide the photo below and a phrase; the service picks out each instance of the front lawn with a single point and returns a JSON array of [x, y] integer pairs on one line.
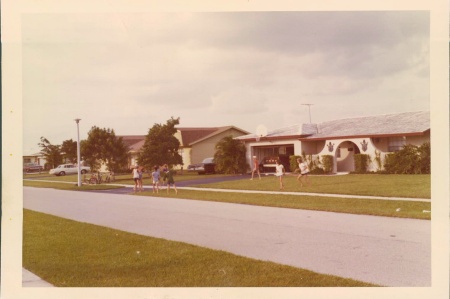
[[67, 253], [389, 185]]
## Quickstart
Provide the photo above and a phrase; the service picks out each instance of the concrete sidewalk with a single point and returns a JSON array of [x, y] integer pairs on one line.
[[32, 280]]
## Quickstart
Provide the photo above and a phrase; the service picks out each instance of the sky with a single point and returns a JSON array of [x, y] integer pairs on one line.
[[128, 71]]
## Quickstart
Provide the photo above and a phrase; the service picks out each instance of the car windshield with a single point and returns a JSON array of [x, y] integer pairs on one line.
[[208, 160]]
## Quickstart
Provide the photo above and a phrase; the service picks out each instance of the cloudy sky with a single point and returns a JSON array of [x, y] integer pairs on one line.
[[130, 71]]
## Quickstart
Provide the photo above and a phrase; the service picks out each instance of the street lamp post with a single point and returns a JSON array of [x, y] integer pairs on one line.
[[78, 151]]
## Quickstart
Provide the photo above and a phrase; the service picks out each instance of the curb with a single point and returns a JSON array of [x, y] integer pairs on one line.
[[32, 280]]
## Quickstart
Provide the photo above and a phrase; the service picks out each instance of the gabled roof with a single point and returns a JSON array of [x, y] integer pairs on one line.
[[408, 123], [189, 136], [130, 140], [217, 132]]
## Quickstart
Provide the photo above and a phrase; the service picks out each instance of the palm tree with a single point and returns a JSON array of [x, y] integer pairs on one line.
[[229, 156]]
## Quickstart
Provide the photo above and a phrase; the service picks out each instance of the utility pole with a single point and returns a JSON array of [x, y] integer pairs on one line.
[[309, 109], [78, 152]]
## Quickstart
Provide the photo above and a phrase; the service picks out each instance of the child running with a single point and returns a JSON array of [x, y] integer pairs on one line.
[[135, 173], [279, 172], [155, 177], [304, 171], [170, 180], [255, 167]]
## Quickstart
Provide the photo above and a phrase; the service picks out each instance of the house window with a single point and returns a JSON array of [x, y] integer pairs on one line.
[[396, 143], [338, 152]]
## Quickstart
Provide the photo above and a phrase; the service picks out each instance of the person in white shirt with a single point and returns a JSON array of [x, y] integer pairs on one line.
[[304, 171], [135, 173], [279, 172]]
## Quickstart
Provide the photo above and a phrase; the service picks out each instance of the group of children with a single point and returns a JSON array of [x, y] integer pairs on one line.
[[159, 173], [280, 171]]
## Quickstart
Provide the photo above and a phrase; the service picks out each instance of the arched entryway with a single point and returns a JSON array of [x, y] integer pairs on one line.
[[344, 156]]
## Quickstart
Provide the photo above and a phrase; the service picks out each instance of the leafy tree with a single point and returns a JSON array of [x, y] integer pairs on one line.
[[161, 146], [229, 156], [51, 152], [102, 146], [69, 149]]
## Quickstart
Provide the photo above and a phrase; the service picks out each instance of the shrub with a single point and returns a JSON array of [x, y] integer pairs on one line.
[[425, 157], [361, 163], [327, 162], [409, 160], [293, 162], [377, 160]]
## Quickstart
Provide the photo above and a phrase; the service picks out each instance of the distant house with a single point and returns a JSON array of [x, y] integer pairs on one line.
[[343, 138], [36, 158], [196, 144]]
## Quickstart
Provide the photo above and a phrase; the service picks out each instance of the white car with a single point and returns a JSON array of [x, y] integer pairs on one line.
[[64, 169]]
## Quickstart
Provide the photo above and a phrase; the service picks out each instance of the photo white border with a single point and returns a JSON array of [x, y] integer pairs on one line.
[[12, 194]]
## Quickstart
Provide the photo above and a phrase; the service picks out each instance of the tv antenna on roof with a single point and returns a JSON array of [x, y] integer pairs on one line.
[[261, 131], [309, 109]]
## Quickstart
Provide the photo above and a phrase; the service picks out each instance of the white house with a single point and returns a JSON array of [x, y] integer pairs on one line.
[[373, 135]]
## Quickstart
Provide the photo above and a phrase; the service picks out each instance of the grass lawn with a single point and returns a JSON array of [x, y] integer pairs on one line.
[[125, 179], [375, 207], [67, 186], [412, 186], [67, 253]]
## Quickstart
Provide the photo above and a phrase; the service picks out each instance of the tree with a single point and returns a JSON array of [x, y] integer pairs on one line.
[[69, 149], [229, 156], [161, 146], [51, 152], [102, 146]]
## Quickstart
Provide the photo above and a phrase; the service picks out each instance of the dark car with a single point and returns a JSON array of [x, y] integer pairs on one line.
[[32, 167], [207, 166]]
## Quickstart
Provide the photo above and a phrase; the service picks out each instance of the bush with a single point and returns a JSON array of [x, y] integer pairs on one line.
[[361, 163], [409, 160], [317, 170], [425, 157], [293, 163], [327, 162]]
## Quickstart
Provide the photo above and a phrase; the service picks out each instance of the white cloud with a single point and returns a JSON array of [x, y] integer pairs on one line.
[[129, 71]]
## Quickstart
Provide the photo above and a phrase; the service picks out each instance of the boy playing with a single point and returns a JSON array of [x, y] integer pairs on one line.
[[155, 177]]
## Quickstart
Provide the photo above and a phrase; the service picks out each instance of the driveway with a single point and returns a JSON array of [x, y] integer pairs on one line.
[[380, 250]]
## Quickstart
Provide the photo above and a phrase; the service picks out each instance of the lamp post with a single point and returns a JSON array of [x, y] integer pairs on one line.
[[77, 120]]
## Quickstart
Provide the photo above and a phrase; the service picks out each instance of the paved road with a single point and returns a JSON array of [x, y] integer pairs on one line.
[[381, 250]]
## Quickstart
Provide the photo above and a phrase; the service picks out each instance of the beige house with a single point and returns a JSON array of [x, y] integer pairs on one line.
[[196, 144], [373, 135], [36, 158]]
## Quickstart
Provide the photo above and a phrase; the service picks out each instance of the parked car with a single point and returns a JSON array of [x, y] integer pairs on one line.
[[64, 169], [193, 167], [207, 166], [32, 167]]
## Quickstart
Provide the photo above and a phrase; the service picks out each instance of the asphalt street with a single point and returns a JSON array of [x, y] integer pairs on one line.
[[380, 250]]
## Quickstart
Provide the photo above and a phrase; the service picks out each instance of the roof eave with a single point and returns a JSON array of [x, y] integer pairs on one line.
[[271, 138], [364, 136]]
